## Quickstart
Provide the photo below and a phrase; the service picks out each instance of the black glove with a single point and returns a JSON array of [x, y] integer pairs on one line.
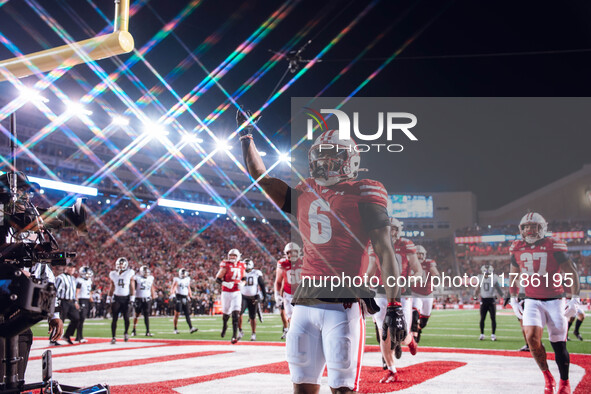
[[370, 305], [395, 324], [242, 116]]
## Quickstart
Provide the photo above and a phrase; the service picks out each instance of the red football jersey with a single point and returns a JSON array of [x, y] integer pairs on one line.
[[234, 273], [331, 226], [292, 274], [539, 259], [402, 248], [427, 287]]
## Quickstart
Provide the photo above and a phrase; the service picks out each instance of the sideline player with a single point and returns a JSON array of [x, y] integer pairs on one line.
[[406, 255], [422, 293], [287, 278], [145, 293], [580, 316], [250, 296], [489, 282], [181, 291], [121, 293], [330, 332], [230, 276], [83, 290], [536, 257]]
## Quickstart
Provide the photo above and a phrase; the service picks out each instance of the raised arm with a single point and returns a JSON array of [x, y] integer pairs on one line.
[[275, 188]]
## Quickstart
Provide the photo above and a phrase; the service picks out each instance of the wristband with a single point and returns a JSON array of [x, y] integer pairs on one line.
[[396, 303], [218, 280], [246, 137]]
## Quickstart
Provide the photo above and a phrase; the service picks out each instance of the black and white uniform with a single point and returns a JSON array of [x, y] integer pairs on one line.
[[250, 290], [488, 286], [66, 294], [143, 294], [122, 281], [182, 295], [85, 286]]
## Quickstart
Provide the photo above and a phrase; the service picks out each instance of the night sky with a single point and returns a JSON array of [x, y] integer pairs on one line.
[[451, 49]]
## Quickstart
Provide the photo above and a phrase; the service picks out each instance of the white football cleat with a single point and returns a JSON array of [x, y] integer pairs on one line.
[[481, 337]]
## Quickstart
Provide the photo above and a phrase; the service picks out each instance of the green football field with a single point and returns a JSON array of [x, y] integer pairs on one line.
[[451, 328]]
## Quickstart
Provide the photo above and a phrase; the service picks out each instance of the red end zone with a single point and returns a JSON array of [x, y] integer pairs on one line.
[[174, 358]]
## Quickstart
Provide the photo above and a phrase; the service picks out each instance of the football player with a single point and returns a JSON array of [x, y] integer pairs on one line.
[[579, 316], [287, 279], [145, 293], [489, 282], [250, 295], [83, 289], [535, 258], [181, 291], [406, 255], [422, 293], [337, 216], [121, 294], [230, 277]]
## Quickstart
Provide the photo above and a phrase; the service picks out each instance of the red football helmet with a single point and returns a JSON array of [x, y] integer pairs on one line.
[[532, 236], [333, 160]]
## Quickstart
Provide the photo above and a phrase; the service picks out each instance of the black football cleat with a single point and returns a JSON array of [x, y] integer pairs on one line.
[[579, 337]]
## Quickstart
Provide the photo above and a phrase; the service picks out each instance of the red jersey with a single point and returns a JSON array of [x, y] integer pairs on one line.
[[402, 248], [427, 287], [538, 258], [331, 225], [234, 273], [292, 274]]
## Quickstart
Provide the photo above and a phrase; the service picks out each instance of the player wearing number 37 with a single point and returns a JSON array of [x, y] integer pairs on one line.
[[545, 271], [337, 217]]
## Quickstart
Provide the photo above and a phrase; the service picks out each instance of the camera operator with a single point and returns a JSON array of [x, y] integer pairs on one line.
[[66, 294]]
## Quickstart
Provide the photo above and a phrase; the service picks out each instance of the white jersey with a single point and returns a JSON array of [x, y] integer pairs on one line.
[[182, 285], [85, 286], [96, 297], [251, 287], [143, 286], [122, 282], [487, 285]]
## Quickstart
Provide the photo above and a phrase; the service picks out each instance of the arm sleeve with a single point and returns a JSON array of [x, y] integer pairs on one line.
[[287, 206], [373, 216], [513, 261], [262, 286], [560, 257]]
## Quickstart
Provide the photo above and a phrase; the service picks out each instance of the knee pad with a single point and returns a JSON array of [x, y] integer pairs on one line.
[[414, 326]]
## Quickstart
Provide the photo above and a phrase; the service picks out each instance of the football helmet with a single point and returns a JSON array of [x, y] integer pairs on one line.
[[333, 160], [145, 271], [533, 236], [395, 228], [421, 253], [487, 269], [249, 265], [121, 264], [183, 273], [234, 252], [86, 272], [292, 251]]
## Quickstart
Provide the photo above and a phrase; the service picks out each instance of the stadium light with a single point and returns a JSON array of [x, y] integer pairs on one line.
[[120, 120], [285, 157], [191, 139], [155, 129], [76, 108], [31, 95], [223, 145], [191, 206], [66, 187]]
